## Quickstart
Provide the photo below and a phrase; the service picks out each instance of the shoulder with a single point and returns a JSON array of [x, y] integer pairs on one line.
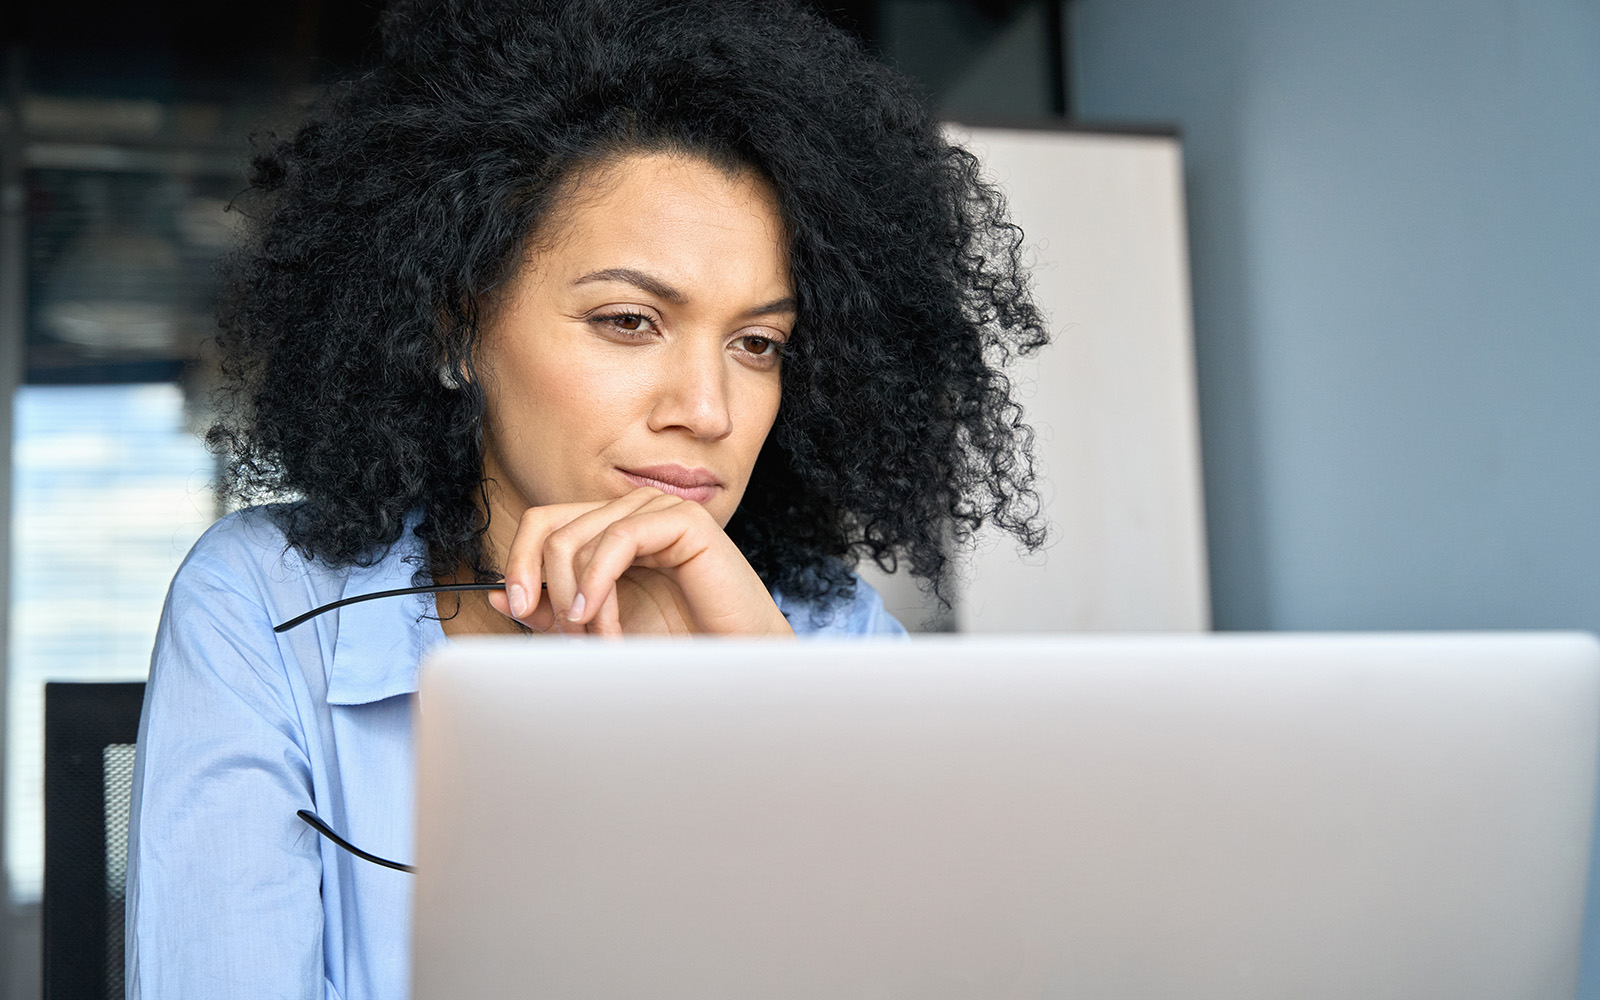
[[214, 645], [230, 584], [244, 564], [862, 613], [241, 579], [244, 551], [248, 539]]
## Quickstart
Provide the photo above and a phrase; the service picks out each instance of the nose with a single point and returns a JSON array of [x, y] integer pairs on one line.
[[693, 393]]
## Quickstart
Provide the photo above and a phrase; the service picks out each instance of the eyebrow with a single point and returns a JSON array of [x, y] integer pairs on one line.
[[655, 286]]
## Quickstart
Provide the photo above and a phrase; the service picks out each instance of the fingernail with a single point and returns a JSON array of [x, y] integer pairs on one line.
[[518, 598], [576, 611]]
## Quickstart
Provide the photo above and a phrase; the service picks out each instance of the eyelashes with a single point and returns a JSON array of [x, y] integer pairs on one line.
[[768, 346], [631, 325], [637, 326]]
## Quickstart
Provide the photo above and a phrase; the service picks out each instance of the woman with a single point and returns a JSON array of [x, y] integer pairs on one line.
[[658, 314]]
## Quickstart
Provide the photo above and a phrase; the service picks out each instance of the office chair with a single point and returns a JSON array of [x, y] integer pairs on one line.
[[89, 734]]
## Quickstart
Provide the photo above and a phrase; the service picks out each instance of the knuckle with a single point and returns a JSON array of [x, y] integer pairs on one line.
[[532, 517], [561, 542]]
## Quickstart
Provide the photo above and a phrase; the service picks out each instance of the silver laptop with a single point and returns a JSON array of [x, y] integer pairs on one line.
[[951, 819]]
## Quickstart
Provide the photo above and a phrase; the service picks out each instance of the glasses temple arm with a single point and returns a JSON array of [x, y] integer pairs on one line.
[[434, 589], [316, 823]]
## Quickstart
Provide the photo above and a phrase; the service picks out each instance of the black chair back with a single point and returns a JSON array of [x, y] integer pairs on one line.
[[89, 733]]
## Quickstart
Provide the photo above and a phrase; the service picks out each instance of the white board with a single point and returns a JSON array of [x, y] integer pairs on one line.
[[1112, 398]]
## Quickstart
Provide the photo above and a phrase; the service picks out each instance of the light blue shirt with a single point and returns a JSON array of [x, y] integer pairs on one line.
[[230, 894]]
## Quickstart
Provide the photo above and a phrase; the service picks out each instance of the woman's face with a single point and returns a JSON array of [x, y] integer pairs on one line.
[[639, 345]]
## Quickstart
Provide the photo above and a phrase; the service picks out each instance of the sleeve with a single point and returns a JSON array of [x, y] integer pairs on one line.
[[223, 877]]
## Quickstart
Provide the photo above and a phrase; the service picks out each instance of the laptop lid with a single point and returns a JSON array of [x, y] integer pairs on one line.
[[1199, 817]]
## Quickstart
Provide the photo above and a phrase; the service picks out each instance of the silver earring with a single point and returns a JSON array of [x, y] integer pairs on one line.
[[447, 376]]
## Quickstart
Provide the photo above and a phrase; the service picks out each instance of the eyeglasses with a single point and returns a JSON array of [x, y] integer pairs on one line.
[[316, 823], [444, 588], [312, 820]]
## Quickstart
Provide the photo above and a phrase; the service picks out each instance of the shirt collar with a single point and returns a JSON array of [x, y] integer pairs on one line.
[[380, 644]]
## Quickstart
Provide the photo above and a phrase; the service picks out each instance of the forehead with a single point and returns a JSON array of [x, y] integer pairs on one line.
[[676, 216]]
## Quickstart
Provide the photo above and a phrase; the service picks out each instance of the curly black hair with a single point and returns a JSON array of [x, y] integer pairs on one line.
[[380, 232]]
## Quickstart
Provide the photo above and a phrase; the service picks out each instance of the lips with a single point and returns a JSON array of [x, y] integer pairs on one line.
[[699, 485]]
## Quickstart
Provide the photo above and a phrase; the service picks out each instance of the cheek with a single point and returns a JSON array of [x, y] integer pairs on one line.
[[757, 410], [567, 401], [767, 401]]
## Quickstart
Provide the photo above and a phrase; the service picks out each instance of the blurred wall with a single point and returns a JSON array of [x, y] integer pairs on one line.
[[1395, 223], [1395, 232]]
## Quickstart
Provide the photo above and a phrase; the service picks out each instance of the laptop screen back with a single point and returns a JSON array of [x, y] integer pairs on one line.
[[1204, 817]]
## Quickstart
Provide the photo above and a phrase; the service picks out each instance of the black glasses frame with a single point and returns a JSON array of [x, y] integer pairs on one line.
[[443, 588], [318, 824]]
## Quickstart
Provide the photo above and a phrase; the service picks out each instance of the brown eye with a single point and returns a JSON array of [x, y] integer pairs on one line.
[[760, 346], [629, 325]]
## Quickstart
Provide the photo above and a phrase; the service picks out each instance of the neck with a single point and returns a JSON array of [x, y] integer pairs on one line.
[[502, 507], [469, 613]]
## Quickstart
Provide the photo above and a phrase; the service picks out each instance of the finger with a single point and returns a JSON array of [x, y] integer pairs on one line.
[[542, 618], [645, 500], [523, 569], [523, 572], [561, 547], [500, 602], [664, 538], [608, 620]]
